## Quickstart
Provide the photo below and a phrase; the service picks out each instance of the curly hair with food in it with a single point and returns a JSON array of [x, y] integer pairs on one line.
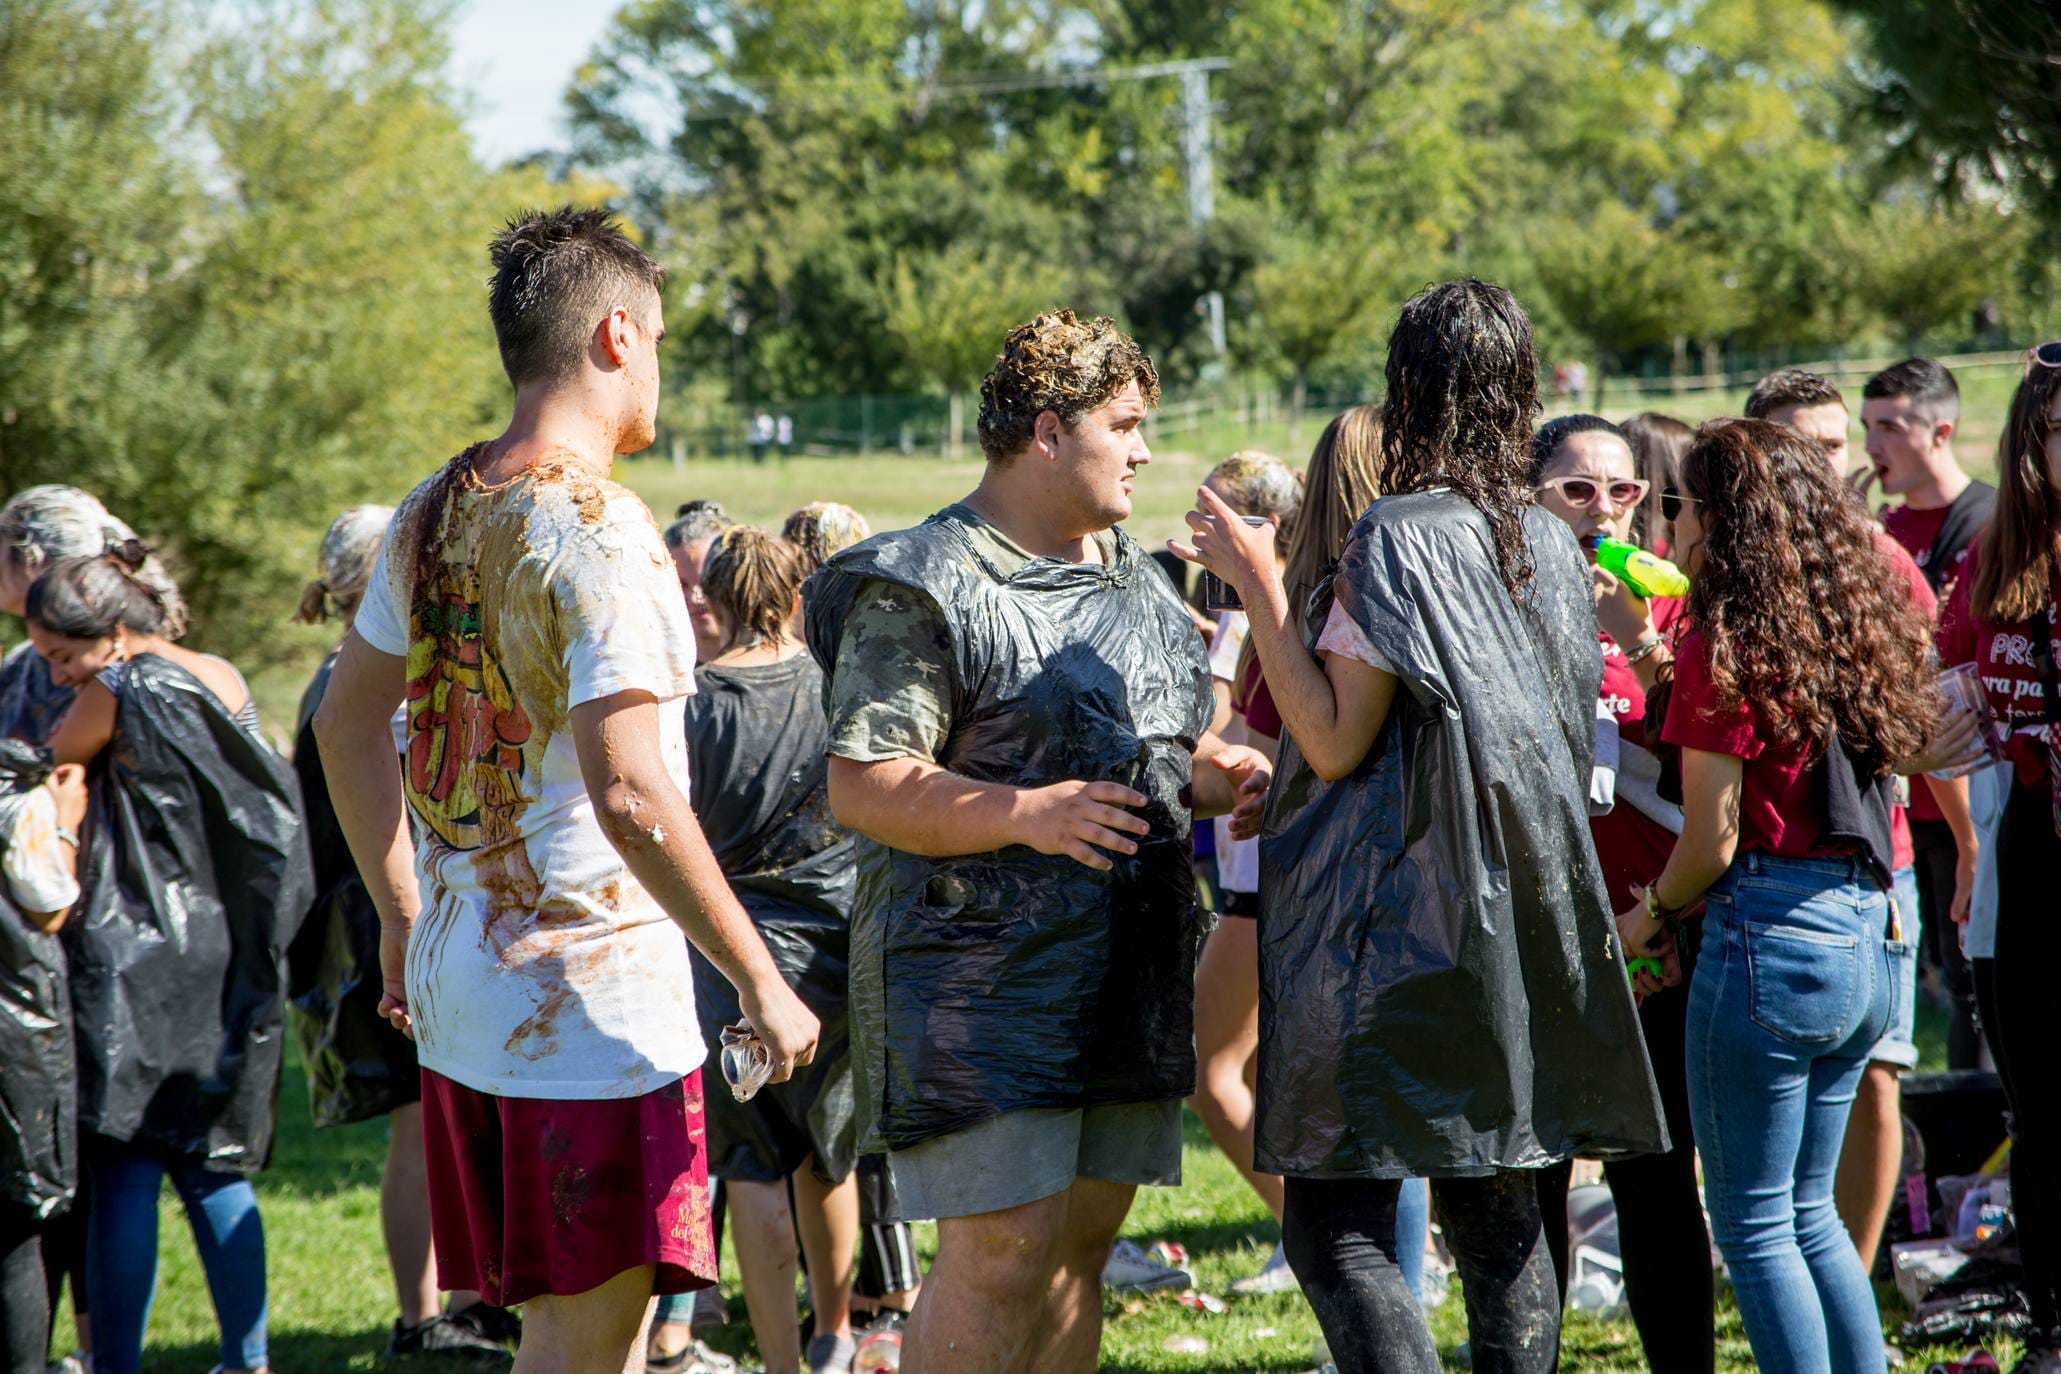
[[1463, 391], [1062, 364], [1804, 615]]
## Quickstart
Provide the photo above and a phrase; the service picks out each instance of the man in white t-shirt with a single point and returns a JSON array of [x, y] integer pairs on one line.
[[525, 611]]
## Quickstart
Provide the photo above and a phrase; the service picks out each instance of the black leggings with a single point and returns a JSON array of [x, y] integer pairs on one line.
[[1660, 1230], [1936, 859], [2020, 1023], [24, 1297], [1340, 1238]]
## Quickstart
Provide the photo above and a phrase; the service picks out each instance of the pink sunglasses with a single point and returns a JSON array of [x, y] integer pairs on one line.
[[1580, 491]]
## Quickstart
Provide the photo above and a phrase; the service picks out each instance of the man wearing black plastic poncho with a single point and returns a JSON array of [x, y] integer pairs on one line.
[[1441, 988], [1019, 710]]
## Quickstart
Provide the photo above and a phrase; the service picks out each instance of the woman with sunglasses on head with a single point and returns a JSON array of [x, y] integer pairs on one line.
[[1582, 469], [1800, 679], [2001, 617]]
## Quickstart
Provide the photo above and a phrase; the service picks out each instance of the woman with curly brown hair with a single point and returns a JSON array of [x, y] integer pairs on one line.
[[1800, 680], [1441, 994], [2001, 617]]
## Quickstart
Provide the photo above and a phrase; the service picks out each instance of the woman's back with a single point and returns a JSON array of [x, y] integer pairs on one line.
[[757, 738]]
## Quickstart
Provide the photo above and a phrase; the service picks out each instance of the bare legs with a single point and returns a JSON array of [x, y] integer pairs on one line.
[[1227, 1047], [763, 1230], [1019, 1291]]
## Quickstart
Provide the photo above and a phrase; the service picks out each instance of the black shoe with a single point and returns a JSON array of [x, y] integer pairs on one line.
[[498, 1324], [449, 1338]]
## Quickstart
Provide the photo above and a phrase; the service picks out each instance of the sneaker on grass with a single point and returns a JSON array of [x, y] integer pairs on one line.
[[1130, 1270], [1275, 1277], [449, 1338]]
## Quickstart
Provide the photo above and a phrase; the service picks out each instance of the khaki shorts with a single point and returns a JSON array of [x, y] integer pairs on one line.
[[1026, 1155]]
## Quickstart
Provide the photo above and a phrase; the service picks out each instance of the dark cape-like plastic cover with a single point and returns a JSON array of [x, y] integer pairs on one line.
[[1441, 987], [988, 983], [39, 1141], [194, 876], [759, 782], [359, 1066], [31, 703]]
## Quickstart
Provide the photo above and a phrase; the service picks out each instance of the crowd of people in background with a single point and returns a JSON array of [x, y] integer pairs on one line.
[[1513, 859]]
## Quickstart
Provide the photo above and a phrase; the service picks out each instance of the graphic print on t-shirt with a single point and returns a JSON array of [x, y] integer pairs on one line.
[[466, 730]]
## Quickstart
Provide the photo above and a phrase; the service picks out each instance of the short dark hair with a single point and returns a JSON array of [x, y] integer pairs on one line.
[[556, 273], [1062, 364], [1547, 439], [1931, 388], [1790, 386]]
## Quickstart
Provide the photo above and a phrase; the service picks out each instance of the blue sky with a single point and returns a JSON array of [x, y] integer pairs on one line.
[[513, 59]]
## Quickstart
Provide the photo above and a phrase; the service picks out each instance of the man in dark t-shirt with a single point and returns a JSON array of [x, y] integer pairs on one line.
[[1910, 412]]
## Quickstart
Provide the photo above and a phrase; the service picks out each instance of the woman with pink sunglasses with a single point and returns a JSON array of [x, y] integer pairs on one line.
[[2002, 618], [1583, 470]]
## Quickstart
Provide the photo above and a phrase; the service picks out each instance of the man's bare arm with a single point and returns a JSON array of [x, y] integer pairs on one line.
[[354, 733], [916, 806], [648, 820]]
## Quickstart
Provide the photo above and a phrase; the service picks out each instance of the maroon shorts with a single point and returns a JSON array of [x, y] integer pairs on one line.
[[528, 1196]]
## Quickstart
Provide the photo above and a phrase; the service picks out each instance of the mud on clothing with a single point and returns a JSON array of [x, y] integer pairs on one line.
[[986, 983], [539, 966], [755, 738]]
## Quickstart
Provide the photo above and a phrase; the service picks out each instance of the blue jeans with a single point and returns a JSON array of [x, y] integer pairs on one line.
[[121, 1252], [1413, 1233], [1791, 992]]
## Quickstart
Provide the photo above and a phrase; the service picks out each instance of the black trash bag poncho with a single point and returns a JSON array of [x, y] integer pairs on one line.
[[359, 1066], [988, 983], [759, 777], [1441, 987], [193, 878], [39, 1143]]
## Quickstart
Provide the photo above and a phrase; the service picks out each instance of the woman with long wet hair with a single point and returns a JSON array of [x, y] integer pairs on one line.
[[2002, 618], [1441, 992], [1800, 680]]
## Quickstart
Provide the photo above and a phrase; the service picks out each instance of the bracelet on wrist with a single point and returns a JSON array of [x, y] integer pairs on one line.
[[1656, 910], [1644, 649], [66, 835]]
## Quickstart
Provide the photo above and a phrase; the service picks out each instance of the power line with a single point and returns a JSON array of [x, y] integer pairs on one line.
[[821, 91]]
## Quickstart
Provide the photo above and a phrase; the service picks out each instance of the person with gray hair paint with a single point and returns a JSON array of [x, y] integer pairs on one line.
[[38, 526]]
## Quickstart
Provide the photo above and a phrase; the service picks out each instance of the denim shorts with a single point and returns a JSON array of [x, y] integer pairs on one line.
[[1899, 1044], [1021, 1156]]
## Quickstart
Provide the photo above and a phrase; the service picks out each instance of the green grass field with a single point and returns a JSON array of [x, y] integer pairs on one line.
[[331, 1300]]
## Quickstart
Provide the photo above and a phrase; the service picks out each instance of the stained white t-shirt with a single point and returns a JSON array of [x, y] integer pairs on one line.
[[539, 966], [37, 876]]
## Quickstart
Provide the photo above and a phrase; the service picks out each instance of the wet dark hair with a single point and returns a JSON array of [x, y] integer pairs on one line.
[[1555, 432], [1463, 390], [90, 598], [1658, 443], [556, 273], [751, 578], [1933, 391], [1790, 386], [1804, 615], [1059, 363]]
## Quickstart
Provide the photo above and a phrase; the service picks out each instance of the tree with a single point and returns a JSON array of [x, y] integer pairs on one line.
[[1970, 89], [1926, 266], [949, 312], [233, 313]]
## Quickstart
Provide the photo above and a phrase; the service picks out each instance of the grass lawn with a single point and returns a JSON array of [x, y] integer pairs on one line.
[[331, 1300]]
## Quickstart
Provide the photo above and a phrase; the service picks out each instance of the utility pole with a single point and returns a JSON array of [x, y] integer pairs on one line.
[[1197, 147]]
